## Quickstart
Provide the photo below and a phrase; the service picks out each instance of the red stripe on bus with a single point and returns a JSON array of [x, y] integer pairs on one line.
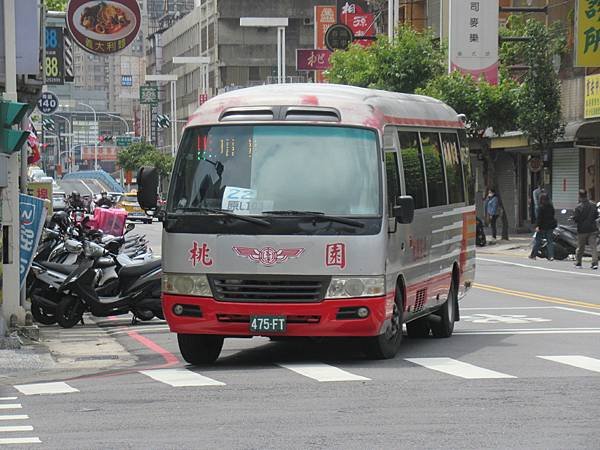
[[423, 122]]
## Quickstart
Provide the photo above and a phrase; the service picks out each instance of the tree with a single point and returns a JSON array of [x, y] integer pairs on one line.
[[403, 65], [55, 5], [538, 105], [486, 107], [141, 154]]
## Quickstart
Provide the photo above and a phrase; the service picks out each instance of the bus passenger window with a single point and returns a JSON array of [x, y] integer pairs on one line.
[[466, 163], [412, 164], [456, 190], [432, 154], [393, 180]]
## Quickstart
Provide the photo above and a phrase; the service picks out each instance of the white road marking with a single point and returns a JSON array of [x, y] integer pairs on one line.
[[570, 272], [27, 440], [10, 406], [583, 362], [180, 377], [578, 310], [8, 398], [46, 388], [18, 428], [15, 417], [491, 308], [538, 331], [323, 372], [506, 318], [457, 368]]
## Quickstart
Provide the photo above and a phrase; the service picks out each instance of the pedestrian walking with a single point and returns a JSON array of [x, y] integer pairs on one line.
[[537, 192], [492, 209], [585, 217], [545, 224]]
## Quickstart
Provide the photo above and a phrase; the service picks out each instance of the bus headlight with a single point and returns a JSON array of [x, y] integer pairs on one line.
[[196, 285], [350, 287]]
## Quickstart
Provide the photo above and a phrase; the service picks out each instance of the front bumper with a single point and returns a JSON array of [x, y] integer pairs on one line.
[[303, 319]]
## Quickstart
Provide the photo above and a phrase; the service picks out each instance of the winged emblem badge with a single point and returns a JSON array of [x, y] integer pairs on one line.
[[268, 256]]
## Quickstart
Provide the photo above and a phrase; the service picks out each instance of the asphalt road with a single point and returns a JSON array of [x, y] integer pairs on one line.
[[521, 371]]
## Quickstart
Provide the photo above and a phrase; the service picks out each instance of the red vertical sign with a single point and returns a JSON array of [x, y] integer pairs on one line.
[[325, 16]]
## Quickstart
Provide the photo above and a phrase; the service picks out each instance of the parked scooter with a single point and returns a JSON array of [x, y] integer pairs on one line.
[[139, 288]]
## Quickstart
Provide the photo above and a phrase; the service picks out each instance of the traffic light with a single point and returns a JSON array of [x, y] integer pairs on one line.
[[11, 113], [105, 138], [163, 121]]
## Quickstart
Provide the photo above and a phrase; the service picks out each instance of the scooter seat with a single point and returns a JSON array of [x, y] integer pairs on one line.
[[136, 270], [58, 267]]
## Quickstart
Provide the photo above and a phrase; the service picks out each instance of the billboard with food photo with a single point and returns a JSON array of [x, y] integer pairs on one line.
[[103, 26]]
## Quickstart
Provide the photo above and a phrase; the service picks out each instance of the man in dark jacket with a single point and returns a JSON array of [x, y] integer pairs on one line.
[[585, 217]]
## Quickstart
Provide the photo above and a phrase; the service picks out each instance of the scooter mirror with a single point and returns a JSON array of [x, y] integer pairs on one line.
[[563, 211]]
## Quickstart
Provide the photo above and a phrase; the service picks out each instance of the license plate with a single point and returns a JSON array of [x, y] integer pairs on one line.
[[267, 324]]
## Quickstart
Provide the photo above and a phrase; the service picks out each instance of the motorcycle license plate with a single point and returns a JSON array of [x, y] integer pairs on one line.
[[267, 324]]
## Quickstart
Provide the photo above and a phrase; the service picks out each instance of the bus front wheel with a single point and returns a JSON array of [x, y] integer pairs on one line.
[[200, 348], [386, 345]]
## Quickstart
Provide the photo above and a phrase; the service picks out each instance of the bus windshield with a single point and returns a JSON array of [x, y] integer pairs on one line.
[[256, 169]]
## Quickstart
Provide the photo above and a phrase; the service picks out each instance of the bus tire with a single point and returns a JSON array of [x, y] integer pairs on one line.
[[387, 345], [200, 348], [444, 327], [418, 328]]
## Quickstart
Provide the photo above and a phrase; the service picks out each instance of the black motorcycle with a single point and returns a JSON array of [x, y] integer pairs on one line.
[[138, 291]]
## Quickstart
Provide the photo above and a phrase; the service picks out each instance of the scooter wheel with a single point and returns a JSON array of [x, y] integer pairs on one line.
[[40, 315], [69, 311]]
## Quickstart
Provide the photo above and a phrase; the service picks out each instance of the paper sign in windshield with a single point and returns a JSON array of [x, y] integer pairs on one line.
[[243, 201]]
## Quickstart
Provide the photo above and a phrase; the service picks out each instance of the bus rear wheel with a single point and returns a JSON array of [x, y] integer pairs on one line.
[[200, 348], [443, 326], [387, 345]]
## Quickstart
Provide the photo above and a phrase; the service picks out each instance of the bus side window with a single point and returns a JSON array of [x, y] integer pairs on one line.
[[412, 163], [467, 170], [393, 180], [454, 175], [434, 166]]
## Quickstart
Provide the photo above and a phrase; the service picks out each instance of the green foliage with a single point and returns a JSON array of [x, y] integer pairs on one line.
[[404, 65], [141, 154], [484, 105], [539, 105], [56, 5]]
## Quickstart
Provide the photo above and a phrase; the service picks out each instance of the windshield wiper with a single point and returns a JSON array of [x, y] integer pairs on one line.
[[225, 212], [317, 215]]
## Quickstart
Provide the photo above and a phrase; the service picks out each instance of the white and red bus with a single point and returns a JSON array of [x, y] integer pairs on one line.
[[316, 210]]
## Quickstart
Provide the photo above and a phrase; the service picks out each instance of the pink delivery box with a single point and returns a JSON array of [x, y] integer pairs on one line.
[[110, 221]]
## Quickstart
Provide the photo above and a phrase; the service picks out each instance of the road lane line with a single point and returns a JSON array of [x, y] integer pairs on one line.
[[10, 406], [322, 372], [491, 308], [457, 368], [576, 310], [27, 440], [17, 428], [570, 272], [8, 398], [559, 331], [45, 388], [532, 296], [582, 362], [180, 377], [14, 417]]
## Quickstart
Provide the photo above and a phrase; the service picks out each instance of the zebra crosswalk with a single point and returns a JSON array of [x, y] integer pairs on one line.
[[315, 371], [12, 424]]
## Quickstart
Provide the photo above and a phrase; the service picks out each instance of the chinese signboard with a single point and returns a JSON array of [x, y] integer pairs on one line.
[[124, 141], [48, 103], [43, 190], [592, 97], [312, 59], [88, 153], [474, 38], [355, 16], [325, 16], [338, 37], [103, 27], [149, 95], [54, 67], [587, 34]]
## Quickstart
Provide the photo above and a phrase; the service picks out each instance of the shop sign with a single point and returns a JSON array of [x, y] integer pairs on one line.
[[592, 97], [587, 33], [103, 27]]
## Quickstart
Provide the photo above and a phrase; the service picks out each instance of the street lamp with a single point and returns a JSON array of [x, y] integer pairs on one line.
[[97, 131], [69, 134], [270, 22], [117, 117], [173, 80], [202, 61]]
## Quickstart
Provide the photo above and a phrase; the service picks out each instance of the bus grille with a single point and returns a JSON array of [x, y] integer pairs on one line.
[[269, 289]]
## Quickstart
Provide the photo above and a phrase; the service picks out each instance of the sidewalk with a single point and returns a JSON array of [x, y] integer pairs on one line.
[[516, 242], [80, 350]]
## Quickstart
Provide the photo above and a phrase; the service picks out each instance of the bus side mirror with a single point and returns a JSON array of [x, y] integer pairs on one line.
[[147, 193], [404, 211]]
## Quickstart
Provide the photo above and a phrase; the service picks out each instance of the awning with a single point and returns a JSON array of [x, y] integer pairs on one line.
[[583, 133]]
